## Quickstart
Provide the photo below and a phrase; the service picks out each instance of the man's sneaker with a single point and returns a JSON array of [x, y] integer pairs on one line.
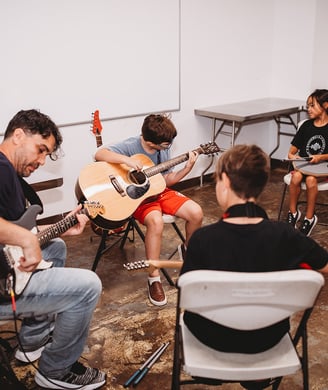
[[156, 294], [182, 251], [307, 225], [79, 377], [292, 220], [28, 356]]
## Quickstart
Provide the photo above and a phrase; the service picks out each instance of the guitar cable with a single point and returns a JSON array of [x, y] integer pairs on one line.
[[13, 305]]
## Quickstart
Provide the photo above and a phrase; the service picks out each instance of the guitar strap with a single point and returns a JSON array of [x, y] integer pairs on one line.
[[30, 194], [248, 209]]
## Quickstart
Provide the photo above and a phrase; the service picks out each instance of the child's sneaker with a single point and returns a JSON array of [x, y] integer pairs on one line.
[[79, 377], [308, 225], [292, 219]]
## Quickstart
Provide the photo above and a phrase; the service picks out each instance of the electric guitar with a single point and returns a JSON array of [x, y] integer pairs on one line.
[[151, 265], [121, 190], [10, 255], [96, 130]]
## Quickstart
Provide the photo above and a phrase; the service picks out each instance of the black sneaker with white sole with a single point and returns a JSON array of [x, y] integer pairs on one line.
[[79, 377], [293, 219], [308, 225]]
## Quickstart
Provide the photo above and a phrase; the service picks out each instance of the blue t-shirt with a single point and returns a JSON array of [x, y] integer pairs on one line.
[[132, 146]]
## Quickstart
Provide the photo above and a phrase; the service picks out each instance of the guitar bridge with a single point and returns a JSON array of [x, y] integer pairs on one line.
[[117, 185]]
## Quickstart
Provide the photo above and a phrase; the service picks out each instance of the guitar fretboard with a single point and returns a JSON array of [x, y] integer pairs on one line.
[[151, 171], [99, 140], [57, 229]]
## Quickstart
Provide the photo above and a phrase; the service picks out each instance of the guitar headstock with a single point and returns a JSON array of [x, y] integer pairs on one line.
[[136, 265], [209, 148], [96, 124], [93, 208]]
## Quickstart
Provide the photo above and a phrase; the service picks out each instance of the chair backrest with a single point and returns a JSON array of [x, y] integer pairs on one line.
[[299, 124], [246, 301]]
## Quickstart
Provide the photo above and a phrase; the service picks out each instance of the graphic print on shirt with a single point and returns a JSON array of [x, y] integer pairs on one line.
[[316, 145]]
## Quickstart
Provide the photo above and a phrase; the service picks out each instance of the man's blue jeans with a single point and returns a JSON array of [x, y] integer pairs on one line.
[[69, 295]]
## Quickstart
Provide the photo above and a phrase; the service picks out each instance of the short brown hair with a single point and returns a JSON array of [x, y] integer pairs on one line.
[[158, 128], [247, 167]]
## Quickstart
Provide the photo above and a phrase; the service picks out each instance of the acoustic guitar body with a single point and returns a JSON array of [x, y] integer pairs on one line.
[[119, 189]]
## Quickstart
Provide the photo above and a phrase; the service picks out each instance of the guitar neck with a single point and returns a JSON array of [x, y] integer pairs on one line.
[[151, 265], [56, 230], [151, 171], [99, 140]]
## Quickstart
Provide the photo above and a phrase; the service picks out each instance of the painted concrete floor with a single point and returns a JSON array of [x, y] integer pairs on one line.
[[126, 328]]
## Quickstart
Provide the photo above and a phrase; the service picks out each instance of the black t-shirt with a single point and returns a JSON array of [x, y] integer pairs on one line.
[[263, 247], [12, 199], [310, 140]]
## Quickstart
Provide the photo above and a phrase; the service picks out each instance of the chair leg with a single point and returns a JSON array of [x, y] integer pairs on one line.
[[282, 201], [175, 384]]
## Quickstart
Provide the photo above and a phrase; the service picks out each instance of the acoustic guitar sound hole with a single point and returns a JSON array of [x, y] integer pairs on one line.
[[137, 177]]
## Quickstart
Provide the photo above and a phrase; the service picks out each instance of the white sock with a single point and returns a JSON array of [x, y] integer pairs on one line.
[[152, 279]]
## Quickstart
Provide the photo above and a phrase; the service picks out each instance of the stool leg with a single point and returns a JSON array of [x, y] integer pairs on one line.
[[130, 226], [101, 247]]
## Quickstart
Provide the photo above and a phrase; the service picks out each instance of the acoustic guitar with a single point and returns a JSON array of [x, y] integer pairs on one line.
[[151, 265], [319, 169], [121, 190], [10, 254]]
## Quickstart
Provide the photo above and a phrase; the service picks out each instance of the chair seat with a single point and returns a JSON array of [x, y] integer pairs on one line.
[[202, 361], [167, 218], [322, 186]]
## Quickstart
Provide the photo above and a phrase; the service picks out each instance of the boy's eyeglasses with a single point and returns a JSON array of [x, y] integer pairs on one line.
[[165, 145]]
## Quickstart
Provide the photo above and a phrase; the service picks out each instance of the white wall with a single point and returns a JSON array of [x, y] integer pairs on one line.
[[231, 50]]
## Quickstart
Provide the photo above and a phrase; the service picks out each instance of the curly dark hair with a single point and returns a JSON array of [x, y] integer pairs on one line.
[[34, 122]]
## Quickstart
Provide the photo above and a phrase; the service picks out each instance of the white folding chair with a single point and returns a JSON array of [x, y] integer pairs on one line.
[[243, 301]]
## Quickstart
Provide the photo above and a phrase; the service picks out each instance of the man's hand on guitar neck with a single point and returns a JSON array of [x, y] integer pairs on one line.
[[79, 227]]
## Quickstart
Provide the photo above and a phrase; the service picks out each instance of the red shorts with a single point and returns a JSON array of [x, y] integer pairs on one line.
[[168, 202]]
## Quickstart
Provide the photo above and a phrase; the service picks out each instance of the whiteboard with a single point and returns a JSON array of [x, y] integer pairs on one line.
[[68, 58]]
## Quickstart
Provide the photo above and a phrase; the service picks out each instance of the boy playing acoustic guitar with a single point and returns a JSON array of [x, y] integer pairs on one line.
[[157, 135]]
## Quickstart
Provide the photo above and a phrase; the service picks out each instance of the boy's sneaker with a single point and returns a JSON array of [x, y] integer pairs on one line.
[[308, 225], [293, 219], [79, 377], [156, 293]]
